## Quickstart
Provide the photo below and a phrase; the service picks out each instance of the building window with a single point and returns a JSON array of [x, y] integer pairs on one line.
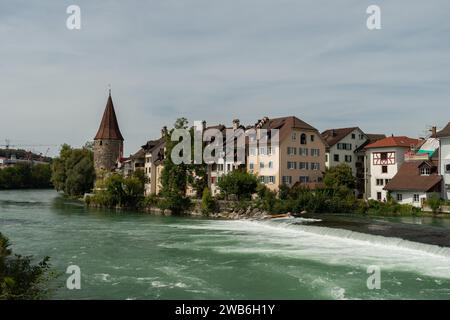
[[361, 136], [303, 139], [379, 182], [270, 164], [262, 150], [303, 151], [425, 171], [386, 181], [294, 136], [344, 146], [315, 166], [326, 157], [228, 167], [261, 165], [399, 197], [416, 197], [383, 155], [447, 168], [304, 179], [271, 179], [315, 152], [384, 169], [348, 158], [291, 151], [291, 165], [269, 151], [287, 179], [379, 196], [336, 158], [312, 138], [353, 136], [253, 151], [251, 165], [303, 165]]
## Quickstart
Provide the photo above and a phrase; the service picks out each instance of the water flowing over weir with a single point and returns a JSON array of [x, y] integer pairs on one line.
[[294, 238], [130, 255]]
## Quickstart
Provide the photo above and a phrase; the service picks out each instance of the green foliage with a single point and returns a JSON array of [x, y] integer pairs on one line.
[[339, 177], [267, 197], [26, 176], [175, 178], [116, 191], [434, 202], [238, 183], [209, 205], [73, 171], [283, 192], [19, 277]]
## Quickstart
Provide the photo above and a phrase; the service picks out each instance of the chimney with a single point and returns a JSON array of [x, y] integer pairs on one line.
[[163, 131], [236, 124], [433, 131]]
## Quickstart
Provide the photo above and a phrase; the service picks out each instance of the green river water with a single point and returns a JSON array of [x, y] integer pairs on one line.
[[126, 255]]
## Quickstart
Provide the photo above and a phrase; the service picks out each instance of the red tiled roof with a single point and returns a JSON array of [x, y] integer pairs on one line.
[[109, 127], [408, 178], [400, 141]]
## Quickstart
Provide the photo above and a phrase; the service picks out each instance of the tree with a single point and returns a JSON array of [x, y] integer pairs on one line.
[[73, 171], [174, 178], [238, 183], [25, 176], [115, 190], [434, 201], [340, 177], [208, 203], [19, 278]]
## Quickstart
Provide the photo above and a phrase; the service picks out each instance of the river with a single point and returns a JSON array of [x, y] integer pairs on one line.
[[126, 255]]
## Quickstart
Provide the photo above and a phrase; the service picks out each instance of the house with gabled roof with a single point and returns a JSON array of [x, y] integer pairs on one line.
[[297, 156], [415, 182], [384, 158]]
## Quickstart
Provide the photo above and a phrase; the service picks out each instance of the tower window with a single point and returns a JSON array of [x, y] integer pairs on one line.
[[101, 142]]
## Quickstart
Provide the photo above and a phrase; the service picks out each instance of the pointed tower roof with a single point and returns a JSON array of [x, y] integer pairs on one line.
[[109, 127]]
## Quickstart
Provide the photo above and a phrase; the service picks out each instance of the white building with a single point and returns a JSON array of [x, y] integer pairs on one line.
[[342, 144], [415, 182], [444, 159], [383, 160]]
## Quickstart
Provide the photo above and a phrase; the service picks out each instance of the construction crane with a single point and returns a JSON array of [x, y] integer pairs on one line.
[[8, 145]]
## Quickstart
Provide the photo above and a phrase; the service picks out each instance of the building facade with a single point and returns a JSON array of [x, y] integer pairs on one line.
[[383, 160], [342, 144], [295, 156], [444, 160]]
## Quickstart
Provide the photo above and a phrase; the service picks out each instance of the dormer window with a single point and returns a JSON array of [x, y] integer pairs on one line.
[[425, 171], [303, 139]]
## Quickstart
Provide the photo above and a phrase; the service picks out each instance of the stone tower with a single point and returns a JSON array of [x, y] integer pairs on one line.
[[108, 142]]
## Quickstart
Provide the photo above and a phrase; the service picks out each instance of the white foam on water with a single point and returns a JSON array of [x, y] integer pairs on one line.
[[328, 245]]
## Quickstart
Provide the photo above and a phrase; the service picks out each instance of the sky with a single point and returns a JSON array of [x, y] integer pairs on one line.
[[217, 61]]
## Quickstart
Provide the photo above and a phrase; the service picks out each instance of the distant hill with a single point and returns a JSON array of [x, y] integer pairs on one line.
[[23, 154]]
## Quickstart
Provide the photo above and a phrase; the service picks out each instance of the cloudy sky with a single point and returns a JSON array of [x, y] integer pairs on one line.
[[220, 60]]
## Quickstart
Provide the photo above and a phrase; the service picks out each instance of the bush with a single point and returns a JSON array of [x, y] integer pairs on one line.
[[117, 191], [435, 203], [19, 278], [209, 205], [239, 183]]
